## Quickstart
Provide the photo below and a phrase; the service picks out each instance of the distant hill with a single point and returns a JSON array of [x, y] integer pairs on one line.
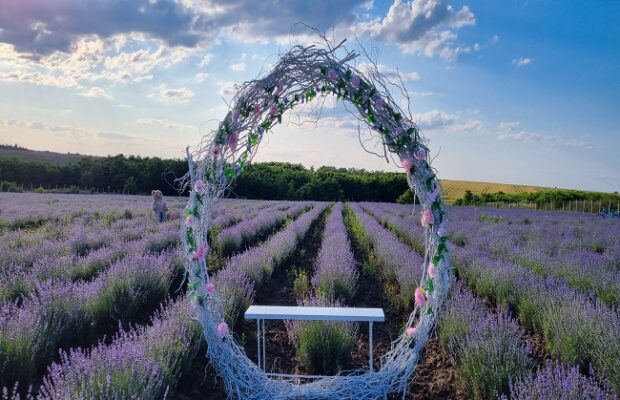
[[454, 189], [36, 155]]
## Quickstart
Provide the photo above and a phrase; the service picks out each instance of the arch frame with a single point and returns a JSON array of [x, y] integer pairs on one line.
[[303, 74]]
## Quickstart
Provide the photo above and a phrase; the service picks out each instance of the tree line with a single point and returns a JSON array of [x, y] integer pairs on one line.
[[139, 175], [269, 181], [555, 197]]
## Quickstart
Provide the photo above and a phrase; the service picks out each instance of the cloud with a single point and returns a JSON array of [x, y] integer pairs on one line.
[[180, 95], [97, 92], [422, 27], [389, 72], [521, 62], [59, 130], [226, 88], [165, 123], [511, 131], [206, 60], [201, 77], [113, 136], [435, 119], [239, 67], [40, 27], [260, 21]]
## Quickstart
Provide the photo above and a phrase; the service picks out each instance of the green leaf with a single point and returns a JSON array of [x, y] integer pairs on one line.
[[429, 285], [430, 310]]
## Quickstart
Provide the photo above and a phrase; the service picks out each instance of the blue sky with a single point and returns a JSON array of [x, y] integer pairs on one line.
[[511, 91]]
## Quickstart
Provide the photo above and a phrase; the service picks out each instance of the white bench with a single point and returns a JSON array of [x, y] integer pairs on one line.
[[262, 313]]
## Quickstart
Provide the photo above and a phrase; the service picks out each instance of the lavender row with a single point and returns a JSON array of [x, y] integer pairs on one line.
[[406, 226], [577, 329], [493, 356], [558, 381], [245, 271], [335, 273], [490, 349], [81, 258], [232, 239], [321, 346], [142, 363], [63, 313], [540, 249], [402, 267]]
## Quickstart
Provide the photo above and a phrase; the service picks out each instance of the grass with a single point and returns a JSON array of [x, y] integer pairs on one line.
[[454, 189]]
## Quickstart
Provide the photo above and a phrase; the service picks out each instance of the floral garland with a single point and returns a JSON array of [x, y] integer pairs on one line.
[[303, 74]]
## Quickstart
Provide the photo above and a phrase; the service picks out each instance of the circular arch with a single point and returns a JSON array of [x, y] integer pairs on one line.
[[300, 76]]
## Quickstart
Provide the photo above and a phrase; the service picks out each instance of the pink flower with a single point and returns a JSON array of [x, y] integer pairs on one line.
[[332, 75], [427, 218], [410, 331], [407, 164], [256, 109], [215, 151], [210, 288], [432, 271], [441, 231], [233, 141], [189, 220], [274, 112], [355, 81], [200, 252], [420, 154], [222, 330], [199, 186], [419, 296]]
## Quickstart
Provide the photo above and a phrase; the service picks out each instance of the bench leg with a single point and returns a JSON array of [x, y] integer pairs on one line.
[[258, 350], [264, 353], [370, 344]]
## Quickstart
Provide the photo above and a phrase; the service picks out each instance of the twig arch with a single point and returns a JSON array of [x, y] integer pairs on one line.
[[301, 75]]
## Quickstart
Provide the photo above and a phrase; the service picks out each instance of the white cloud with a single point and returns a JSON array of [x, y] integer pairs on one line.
[[423, 94], [226, 88], [511, 131], [97, 92], [422, 26], [201, 77], [239, 67], [180, 95], [521, 62], [389, 72], [165, 123], [59, 130], [206, 60], [435, 119]]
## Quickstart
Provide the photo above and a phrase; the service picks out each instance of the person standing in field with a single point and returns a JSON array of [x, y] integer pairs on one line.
[[159, 205]]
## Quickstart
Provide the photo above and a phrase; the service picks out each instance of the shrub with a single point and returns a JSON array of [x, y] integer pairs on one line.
[[324, 347]]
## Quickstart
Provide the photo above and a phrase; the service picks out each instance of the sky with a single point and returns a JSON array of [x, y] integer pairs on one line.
[[506, 91]]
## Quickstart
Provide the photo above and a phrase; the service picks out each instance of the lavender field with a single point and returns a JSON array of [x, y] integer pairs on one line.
[[93, 298]]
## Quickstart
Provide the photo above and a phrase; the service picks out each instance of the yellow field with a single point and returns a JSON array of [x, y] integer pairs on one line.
[[453, 189]]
